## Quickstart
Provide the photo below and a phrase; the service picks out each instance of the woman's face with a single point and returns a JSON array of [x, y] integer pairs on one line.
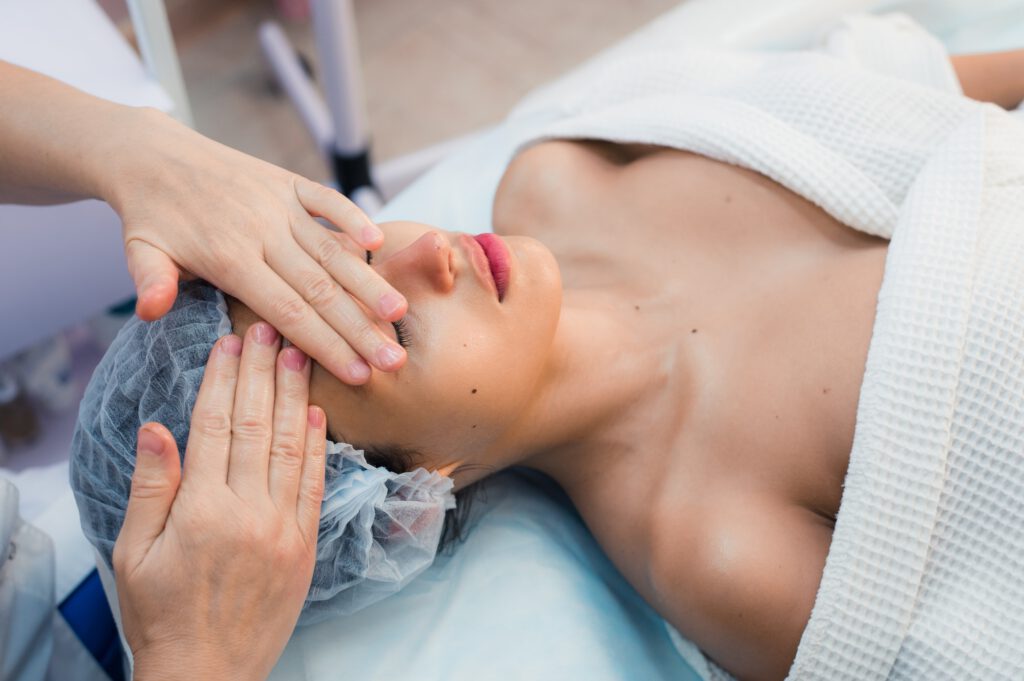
[[474, 361]]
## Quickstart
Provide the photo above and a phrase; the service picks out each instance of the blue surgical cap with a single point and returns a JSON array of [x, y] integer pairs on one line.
[[378, 529]]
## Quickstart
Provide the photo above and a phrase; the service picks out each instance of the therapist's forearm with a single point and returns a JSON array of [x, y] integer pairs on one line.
[[57, 143]]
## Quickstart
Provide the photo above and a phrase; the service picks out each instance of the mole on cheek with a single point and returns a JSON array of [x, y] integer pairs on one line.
[[473, 391]]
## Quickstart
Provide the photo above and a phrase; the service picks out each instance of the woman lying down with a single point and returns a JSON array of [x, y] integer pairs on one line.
[[692, 318]]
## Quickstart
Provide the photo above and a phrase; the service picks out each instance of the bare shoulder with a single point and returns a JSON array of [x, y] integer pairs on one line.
[[547, 183], [742, 578]]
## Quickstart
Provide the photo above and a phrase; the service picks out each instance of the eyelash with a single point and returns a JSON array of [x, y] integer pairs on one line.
[[401, 332]]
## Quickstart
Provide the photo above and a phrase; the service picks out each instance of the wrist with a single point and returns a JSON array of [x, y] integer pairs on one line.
[[168, 665], [127, 153]]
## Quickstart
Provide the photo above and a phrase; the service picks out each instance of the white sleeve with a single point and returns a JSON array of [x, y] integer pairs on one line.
[[894, 45]]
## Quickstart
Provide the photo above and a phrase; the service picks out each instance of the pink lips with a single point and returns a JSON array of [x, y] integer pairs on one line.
[[497, 259]]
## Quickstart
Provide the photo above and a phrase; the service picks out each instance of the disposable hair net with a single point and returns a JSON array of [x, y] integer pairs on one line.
[[378, 529]]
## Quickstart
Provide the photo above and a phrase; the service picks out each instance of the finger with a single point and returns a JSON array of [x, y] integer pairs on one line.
[[321, 201], [347, 242], [280, 305], [351, 271], [209, 436], [336, 307], [311, 489], [154, 485], [253, 417], [155, 276], [291, 406]]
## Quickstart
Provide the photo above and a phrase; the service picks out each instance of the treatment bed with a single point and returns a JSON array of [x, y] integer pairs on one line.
[[529, 594]]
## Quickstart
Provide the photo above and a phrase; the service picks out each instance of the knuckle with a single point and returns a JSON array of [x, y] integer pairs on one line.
[[290, 311], [351, 248], [203, 530], [147, 486], [212, 423], [295, 551], [328, 250], [321, 291], [251, 534], [370, 336], [322, 191], [251, 428], [365, 280], [292, 392], [287, 449], [357, 323], [314, 491]]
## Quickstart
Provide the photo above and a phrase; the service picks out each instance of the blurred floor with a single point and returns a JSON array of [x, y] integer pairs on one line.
[[433, 68]]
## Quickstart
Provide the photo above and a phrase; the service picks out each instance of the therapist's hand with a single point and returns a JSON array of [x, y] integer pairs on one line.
[[214, 560], [195, 207]]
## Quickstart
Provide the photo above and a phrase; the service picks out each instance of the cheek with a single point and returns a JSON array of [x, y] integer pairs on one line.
[[462, 398], [488, 382], [477, 367]]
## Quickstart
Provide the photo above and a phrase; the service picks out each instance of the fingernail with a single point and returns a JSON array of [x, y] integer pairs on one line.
[[371, 233], [316, 417], [232, 345], [264, 333], [389, 355], [294, 359], [390, 303], [358, 370], [150, 443]]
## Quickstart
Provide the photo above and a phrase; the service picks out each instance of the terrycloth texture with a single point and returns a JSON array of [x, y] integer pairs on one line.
[[925, 576], [378, 529]]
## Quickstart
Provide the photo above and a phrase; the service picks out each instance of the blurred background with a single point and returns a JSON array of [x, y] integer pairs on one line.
[[433, 69]]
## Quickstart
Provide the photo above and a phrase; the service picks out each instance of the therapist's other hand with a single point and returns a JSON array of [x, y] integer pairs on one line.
[[195, 207], [214, 560]]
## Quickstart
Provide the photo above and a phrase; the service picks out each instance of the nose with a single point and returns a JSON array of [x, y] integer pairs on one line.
[[425, 263]]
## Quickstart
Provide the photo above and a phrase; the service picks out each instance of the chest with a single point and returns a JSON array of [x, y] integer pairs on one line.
[[724, 529], [775, 296]]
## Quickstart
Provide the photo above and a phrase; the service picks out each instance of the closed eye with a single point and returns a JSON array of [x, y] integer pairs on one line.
[[401, 328]]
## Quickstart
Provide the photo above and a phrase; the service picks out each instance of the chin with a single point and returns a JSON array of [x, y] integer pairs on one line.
[[537, 267], [536, 283]]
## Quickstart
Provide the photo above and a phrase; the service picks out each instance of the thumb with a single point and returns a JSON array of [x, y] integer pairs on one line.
[[154, 487], [155, 276]]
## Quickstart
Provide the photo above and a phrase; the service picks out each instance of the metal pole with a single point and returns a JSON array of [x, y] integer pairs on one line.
[[149, 18], [296, 84], [334, 28]]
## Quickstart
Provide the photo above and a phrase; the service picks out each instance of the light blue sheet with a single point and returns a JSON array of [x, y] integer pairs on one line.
[[528, 596]]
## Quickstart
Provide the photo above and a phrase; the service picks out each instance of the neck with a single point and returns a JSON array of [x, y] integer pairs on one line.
[[611, 387]]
